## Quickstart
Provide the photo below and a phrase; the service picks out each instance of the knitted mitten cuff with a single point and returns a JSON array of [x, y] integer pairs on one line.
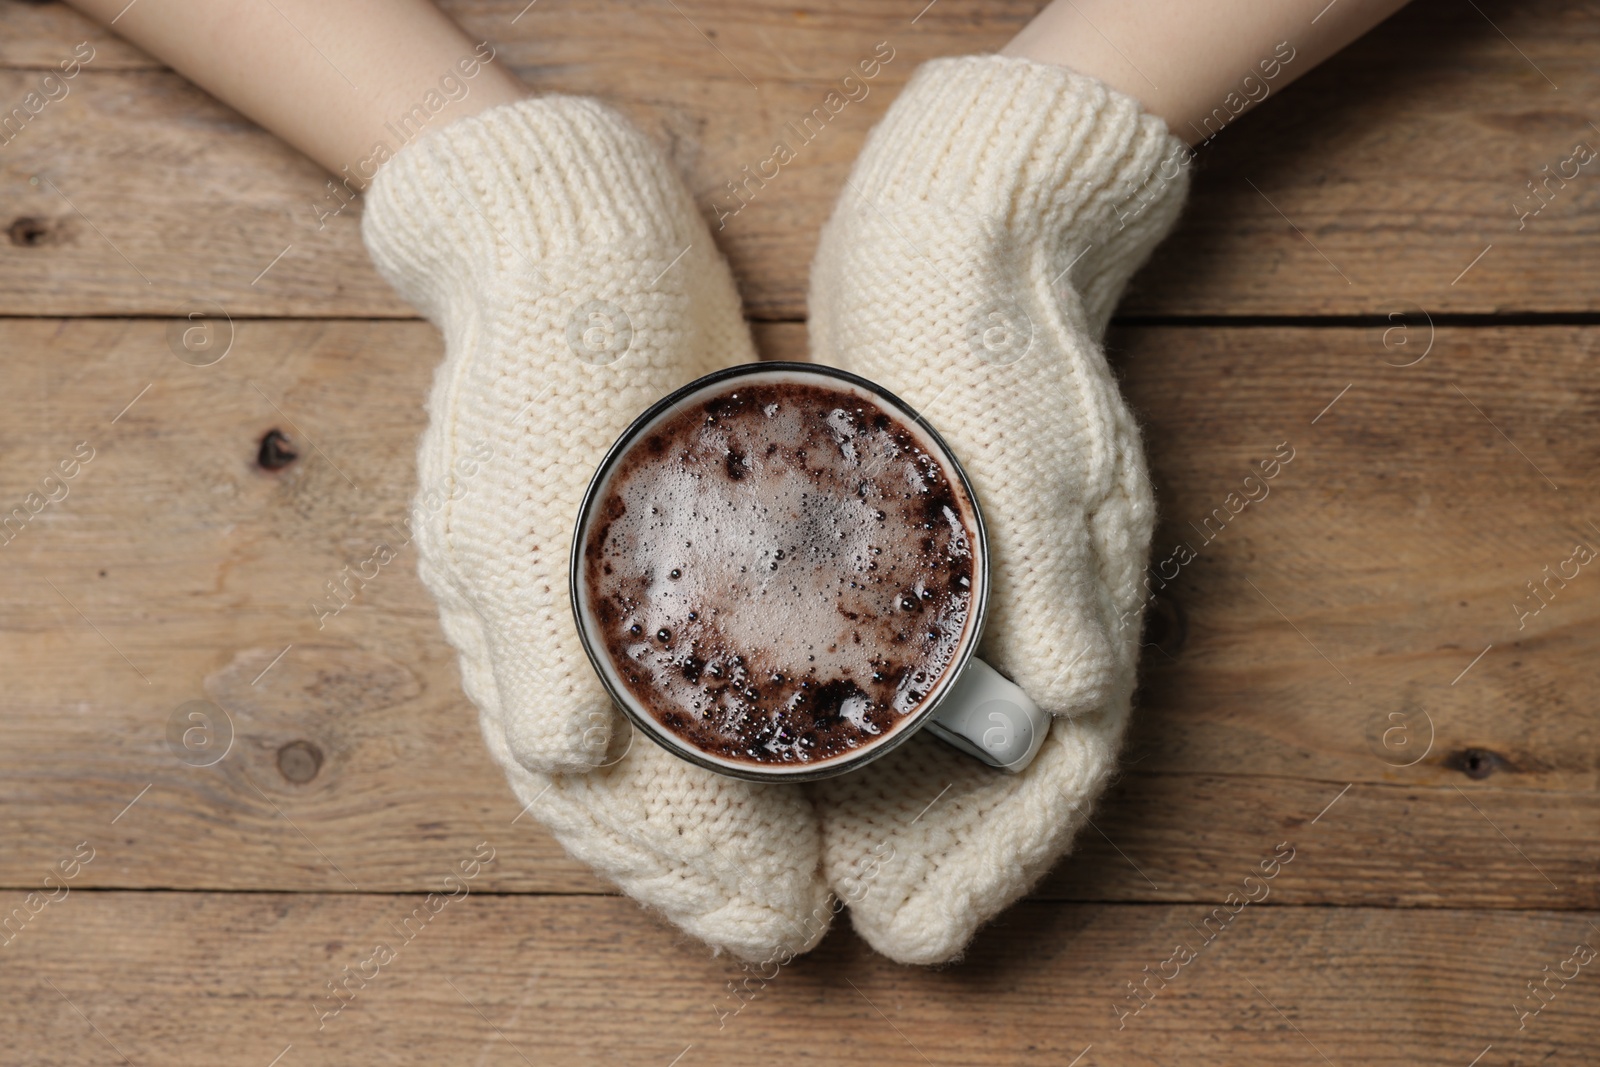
[[511, 188], [1036, 152]]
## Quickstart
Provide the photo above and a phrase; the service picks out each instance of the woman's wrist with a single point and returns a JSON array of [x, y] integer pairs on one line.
[[347, 83], [1196, 66]]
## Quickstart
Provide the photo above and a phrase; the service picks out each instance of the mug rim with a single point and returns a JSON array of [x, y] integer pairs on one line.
[[640, 718]]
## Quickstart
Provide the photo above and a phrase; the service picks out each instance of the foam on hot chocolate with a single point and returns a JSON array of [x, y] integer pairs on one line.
[[781, 572]]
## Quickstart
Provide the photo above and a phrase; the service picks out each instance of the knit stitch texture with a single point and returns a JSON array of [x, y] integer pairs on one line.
[[575, 284], [971, 265]]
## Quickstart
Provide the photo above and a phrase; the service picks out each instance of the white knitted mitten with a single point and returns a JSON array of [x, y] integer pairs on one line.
[[971, 266], [575, 284]]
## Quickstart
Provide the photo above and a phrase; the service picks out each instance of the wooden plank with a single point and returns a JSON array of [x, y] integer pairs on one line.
[[1375, 182], [1394, 544], [38, 36], [220, 978]]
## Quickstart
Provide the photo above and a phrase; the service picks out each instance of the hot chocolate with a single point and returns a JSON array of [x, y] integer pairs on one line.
[[781, 572]]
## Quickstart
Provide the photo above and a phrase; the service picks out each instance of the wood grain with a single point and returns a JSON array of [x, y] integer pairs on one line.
[[218, 978], [1393, 544], [1372, 184]]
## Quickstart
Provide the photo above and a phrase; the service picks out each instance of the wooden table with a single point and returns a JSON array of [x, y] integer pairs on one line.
[[1352, 666]]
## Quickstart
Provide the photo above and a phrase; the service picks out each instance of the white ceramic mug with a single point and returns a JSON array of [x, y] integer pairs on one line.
[[971, 706]]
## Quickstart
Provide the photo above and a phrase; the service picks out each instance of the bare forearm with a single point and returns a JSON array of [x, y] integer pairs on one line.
[[1182, 60], [331, 77]]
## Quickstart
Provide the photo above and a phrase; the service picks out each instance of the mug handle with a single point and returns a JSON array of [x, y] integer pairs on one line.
[[990, 718]]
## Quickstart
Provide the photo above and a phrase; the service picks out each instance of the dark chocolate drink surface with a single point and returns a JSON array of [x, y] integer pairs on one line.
[[781, 572]]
